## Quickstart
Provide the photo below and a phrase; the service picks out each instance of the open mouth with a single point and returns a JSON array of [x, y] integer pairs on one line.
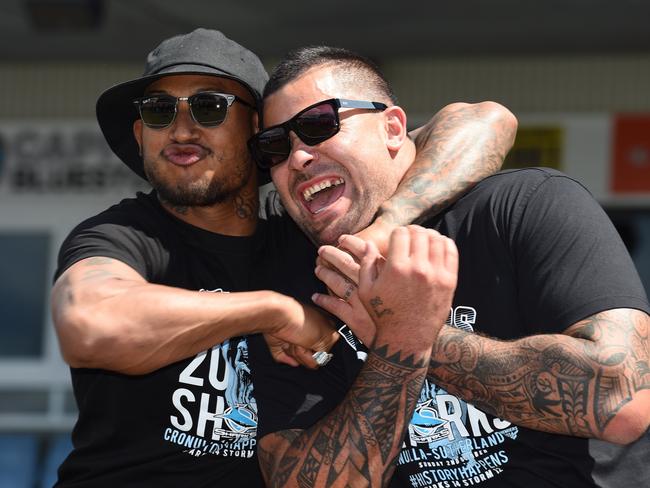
[[320, 195]]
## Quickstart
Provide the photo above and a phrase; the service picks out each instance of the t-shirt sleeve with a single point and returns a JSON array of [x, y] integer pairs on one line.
[[112, 235], [570, 261]]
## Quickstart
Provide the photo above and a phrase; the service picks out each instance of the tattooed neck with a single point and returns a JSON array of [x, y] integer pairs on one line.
[[246, 206]]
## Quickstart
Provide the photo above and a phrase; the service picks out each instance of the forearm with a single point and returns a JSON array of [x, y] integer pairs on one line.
[[583, 384], [135, 327], [358, 442], [460, 146], [160, 325]]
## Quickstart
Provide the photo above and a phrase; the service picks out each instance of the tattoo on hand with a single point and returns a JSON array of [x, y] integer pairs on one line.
[[376, 303], [348, 292]]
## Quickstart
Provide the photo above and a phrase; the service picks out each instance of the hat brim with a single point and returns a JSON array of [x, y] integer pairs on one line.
[[116, 113]]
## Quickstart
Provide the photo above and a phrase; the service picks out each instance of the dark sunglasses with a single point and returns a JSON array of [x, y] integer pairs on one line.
[[208, 109], [313, 125]]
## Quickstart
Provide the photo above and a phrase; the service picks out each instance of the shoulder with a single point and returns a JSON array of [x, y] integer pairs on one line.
[[140, 218], [526, 181], [130, 231], [133, 212], [510, 193]]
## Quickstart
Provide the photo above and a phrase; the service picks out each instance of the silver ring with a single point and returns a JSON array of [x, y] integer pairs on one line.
[[322, 357]]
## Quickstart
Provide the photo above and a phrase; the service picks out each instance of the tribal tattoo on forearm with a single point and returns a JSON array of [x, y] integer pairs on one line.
[[460, 146], [572, 383], [358, 442]]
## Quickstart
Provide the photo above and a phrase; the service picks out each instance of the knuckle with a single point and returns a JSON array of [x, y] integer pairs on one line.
[[421, 272]]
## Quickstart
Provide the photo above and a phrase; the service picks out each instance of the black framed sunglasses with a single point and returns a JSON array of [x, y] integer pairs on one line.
[[208, 109], [312, 125]]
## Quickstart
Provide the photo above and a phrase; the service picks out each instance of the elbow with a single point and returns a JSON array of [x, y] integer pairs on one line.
[[92, 334], [83, 341], [77, 344], [503, 118], [489, 111], [631, 422], [625, 434]]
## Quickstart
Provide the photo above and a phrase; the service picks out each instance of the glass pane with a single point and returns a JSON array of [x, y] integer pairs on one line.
[[23, 401], [23, 289]]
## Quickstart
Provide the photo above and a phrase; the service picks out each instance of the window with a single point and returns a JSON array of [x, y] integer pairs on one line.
[[24, 287]]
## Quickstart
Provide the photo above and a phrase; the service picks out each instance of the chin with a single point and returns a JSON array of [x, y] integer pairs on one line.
[[318, 237], [330, 234], [326, 238]]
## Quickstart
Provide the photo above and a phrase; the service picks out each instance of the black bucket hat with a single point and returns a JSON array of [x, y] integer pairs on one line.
[[202, 51]]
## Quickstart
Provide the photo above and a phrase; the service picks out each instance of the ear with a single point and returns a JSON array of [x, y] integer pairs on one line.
[[137, 133], [395, 123]]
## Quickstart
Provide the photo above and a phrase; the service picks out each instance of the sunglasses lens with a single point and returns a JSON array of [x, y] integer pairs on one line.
[[271, 147], [158, 111], [313, 126], [317, 124], [209, 109]]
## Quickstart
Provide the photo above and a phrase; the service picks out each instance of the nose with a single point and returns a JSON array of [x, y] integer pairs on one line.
[[184, 128], [301, 154]]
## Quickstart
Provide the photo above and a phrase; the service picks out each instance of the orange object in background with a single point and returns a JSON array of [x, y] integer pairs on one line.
[[631, 158]]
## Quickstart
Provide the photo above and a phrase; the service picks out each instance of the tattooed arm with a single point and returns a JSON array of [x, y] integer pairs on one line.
[[108, 316], [591, 381], [461, 145], [357, 443]]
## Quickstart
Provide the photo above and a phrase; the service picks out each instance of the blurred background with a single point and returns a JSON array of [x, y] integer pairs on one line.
[[576, 73]]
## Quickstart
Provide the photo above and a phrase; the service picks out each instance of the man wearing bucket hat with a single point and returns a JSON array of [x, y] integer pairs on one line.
[[153, 297]]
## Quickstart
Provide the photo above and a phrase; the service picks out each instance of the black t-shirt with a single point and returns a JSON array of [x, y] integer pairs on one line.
[[537, 254], [192, 423]]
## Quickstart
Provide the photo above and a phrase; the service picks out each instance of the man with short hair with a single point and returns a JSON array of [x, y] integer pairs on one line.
[[155, 296], [546, 344]]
